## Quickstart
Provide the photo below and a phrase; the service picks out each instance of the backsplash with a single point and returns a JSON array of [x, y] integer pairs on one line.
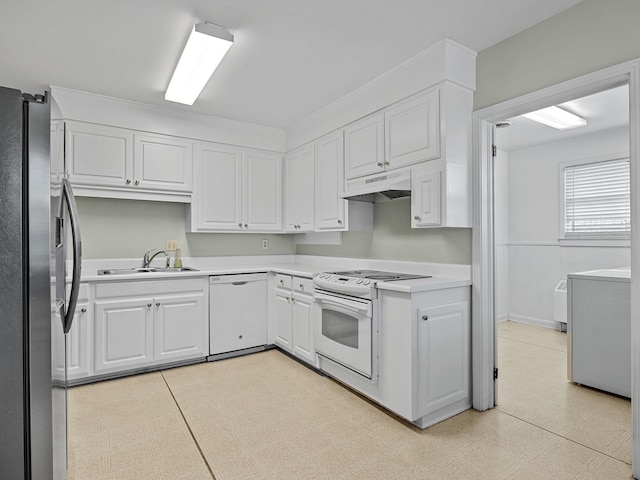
[[128, 228]]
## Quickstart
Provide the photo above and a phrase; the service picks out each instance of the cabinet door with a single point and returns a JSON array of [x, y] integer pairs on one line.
[[302, 327], [364, 146], [178, 327], [98, 155], [412, 132], [78, 345], [282, 311], [123, 334], [443, 353], [300, 190], [217, 203], [426, 202], [330, 208], [263, 191], [162, 163]]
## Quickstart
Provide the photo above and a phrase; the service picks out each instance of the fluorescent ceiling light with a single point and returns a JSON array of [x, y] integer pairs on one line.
[[205, 49], [557, 118]]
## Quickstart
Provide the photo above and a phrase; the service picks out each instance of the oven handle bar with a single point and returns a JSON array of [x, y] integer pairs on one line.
[[363, 308]]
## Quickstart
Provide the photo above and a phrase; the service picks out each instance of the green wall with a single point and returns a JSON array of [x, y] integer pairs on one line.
[[592, 35], [393, 238], [128, 228]]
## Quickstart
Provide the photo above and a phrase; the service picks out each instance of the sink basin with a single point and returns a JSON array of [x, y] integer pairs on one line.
[[127, 271]]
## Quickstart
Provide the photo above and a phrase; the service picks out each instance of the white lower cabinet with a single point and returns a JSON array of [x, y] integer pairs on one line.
[[140, 324], [443, 356], [123, 334], [294, 312], [178, 327], [78, 342]]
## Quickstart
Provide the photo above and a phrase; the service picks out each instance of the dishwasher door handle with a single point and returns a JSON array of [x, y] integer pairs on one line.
[[239, 283]]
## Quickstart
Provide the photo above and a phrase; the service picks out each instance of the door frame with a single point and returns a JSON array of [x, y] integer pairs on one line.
[[483, 241]]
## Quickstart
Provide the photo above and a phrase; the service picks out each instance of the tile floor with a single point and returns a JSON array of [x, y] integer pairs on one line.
[[264, 416]]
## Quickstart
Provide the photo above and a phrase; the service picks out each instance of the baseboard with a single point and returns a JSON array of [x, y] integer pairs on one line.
[[539, 322]]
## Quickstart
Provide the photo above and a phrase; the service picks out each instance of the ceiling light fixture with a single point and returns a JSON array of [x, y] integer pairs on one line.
[[205, 49], [556, 117]]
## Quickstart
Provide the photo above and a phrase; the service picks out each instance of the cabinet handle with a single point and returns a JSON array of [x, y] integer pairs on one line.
[[386, 163], [240, 337], [128, 181], [281, 282], [137, 182], [246, 226], [240, 225], [425, 317], [339, 222], [380, 164], [417, 217], [157, 304], [83, 310], [301, 286], [148, 305]]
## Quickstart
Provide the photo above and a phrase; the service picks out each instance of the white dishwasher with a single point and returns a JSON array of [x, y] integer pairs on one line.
[[237, 312]]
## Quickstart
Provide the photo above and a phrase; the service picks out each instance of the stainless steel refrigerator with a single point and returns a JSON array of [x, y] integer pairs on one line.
[[34, 226]]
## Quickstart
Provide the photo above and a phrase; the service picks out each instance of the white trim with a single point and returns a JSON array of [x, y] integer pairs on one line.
[[569, 242], [538, 322], [483, 291]]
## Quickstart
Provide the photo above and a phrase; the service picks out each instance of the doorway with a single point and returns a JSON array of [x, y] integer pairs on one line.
[[483, 275], [561, 205]]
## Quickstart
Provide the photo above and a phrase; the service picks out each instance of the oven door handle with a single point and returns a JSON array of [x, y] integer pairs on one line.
[[343, 305]]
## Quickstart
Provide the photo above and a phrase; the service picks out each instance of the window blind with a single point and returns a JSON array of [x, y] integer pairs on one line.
[[597, 200]]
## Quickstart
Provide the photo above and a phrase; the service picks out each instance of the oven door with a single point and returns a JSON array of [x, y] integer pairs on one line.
[[345, 332]]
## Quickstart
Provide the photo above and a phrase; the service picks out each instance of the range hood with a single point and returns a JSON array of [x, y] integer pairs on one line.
[[385, 186]]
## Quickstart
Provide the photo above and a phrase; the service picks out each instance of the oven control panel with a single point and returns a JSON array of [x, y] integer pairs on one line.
[[361, 287]]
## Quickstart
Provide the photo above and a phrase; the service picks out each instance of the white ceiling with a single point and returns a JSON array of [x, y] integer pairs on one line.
[[602, 111], [290, 58]]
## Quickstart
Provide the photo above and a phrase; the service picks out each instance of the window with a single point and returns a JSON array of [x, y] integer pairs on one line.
[[597, 200]]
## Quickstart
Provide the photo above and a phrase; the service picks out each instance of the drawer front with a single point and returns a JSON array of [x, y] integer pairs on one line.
[[283, 281], [301, 284], [127, 289]]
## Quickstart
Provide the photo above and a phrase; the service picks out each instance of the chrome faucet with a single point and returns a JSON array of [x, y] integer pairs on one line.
[[146, 260]]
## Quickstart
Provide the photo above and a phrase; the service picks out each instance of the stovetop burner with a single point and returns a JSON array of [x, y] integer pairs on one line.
[[379, 275]]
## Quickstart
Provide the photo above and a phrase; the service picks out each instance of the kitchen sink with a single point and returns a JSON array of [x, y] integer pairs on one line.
[[127, 271]]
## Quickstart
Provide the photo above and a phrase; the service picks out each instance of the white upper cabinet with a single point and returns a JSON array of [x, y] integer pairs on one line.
[[263, 191], [236, 189], [364, 146], [300, 190], [404, 133], [113, 162], [412, 130], [162, 162], [330, 208], [98, 155], [217, 201], [426, 208]]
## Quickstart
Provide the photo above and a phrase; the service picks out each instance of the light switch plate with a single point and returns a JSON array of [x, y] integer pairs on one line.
[[171, 245]]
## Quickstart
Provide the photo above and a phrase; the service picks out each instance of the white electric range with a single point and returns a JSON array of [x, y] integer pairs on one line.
[[347, 332]]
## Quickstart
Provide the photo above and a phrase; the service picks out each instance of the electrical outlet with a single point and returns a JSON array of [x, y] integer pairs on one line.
[[265, 243], [170, 245]]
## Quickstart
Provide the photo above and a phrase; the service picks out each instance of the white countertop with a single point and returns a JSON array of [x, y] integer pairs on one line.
[[610, 274], [443, 275]]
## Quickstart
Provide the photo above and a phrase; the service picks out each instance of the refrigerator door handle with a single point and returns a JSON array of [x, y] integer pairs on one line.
[[66, 312]]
